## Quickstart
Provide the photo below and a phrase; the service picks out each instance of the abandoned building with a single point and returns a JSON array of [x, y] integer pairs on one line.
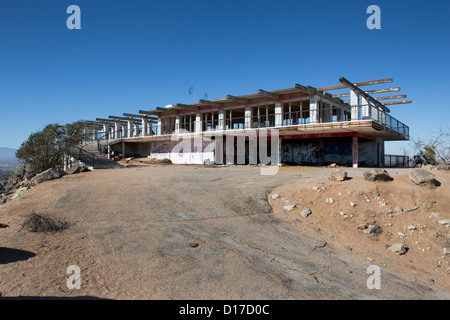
[[304, 125]]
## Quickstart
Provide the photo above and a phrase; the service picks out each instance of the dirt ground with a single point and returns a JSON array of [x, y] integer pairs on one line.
[[405, 212], [160, 231]]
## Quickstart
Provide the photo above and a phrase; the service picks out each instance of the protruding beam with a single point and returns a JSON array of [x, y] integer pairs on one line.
[[234, 98], [362, 93], [400, 96], [185, 107], [397, 102], [123, 118], [167, 110], [271, 95], [137, 116], [210, 103], [151, 112], [107, 120], [358, 84], [341, 95]]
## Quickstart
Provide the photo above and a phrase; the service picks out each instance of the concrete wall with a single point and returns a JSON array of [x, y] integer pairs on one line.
[[328, 150], [165, 150]]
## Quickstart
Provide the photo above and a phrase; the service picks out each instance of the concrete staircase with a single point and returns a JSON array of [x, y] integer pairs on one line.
[[88, 156]]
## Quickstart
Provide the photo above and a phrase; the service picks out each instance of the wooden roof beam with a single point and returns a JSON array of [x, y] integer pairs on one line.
[[234, 98], [397, 102], [185, 107], [362, 93], [166, 110], [137, 116], [269, 94], [369, 92], [401, 96], [358, 84], [210, 103]]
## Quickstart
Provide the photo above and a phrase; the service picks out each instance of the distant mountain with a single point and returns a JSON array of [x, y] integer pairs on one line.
[[7, 154]]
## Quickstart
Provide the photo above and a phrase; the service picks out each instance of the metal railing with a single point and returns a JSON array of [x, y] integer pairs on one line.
[[395, 161], [294, 118]]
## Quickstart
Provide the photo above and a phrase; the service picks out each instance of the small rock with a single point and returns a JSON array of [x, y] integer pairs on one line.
[[289, 208], [338, 175], [362, 227], [446, 251], [373, 229], [412, 227], [275, 196], [399, 248], [329, 200], [377, 175], [305, 213], [352, 204], [398, 209], [193, 244], [19, 193], [445, 222], [400, 234], [315, 188]]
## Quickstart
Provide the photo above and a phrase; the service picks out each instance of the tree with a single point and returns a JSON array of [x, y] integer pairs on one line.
[[436, 149], [46, 149]]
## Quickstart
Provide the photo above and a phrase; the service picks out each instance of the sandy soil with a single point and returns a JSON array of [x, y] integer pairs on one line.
[[158, 231], [377, 203]]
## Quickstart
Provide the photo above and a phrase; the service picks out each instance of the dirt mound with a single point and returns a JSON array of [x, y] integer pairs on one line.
[[369, 217]]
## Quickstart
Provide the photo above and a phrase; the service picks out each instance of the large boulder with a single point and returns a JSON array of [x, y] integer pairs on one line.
[[74, 169], [338, 175], [377, 175], [19, 171], [422, 177], [47, 175]]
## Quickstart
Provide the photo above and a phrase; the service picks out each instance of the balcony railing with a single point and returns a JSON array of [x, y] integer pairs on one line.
[[304, 117]]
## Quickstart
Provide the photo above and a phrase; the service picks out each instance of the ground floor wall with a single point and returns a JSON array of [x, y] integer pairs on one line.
[[324, 151], [291, 151]]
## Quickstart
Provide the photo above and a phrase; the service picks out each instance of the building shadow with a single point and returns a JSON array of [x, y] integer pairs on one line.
[[8, 255]]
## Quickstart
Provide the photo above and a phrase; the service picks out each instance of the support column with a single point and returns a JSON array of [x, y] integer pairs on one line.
[[159, 128], [354, 103], [144, 127], [314, 109], [106, 130], [136, 129], [365, 108], [221, 120], [355, 151], [248, 118], [130, 129], [279, 114], [198, 122], [177, 124]]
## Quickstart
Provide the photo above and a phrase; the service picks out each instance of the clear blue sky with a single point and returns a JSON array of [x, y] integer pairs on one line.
[[132, 55]]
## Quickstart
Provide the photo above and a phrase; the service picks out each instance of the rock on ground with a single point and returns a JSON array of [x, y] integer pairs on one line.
[[422, 177], [338, 175], [398, 247], [306, 212], [47, 175], [377, 175]]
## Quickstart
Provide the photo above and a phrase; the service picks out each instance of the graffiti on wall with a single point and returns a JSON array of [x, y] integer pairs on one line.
[[300, 152], [340, 153]]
